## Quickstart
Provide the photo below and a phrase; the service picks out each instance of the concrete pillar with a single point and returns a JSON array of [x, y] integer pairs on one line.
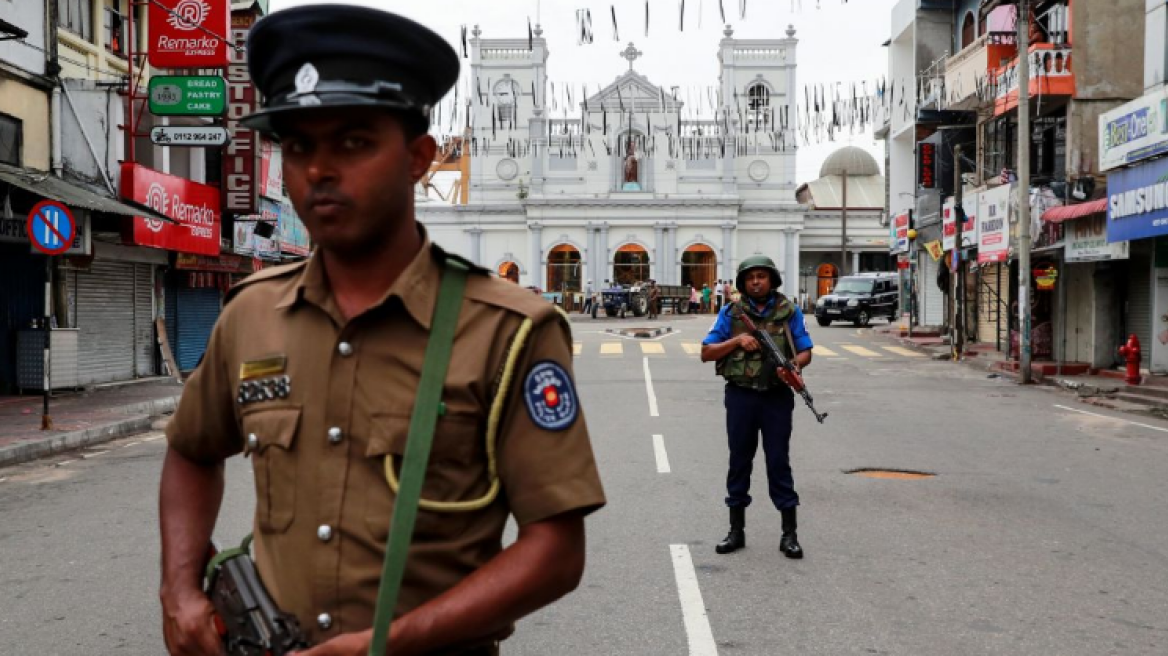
[[672, 275], [724, 258], [537, 267], [476, 245], [659, 256], [604, 261], [792, 275], [856, 261]]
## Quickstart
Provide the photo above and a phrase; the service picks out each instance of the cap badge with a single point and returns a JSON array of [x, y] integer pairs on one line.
[[306, 80]]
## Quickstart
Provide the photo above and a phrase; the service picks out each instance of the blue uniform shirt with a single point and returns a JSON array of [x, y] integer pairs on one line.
[[722, 328]]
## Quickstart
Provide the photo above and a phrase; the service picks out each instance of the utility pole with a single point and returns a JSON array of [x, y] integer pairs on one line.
[[1024, 317], [957, 339]]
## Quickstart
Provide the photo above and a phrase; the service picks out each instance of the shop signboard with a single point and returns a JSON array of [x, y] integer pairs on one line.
[[1137, 202], [900, 226], [187, 95], [188, 33], [271, 170], [949, 222], [190, 136], [993, 225], [239, 158], [193, 205], [1086, 240], [1134, 132], [293, 235], [246, 242], [216, 264]]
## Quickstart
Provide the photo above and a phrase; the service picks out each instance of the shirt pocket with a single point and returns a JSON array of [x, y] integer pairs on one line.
[[269, 439], [456, 472]]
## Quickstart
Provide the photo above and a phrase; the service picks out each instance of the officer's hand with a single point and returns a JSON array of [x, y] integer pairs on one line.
[[347, 644], [188, 627], [748, 343]]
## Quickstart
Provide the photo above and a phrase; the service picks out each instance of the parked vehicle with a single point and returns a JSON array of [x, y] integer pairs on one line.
[[859, 299], [619, 301]]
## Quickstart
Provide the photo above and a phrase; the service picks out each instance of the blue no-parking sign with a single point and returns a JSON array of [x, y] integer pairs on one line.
[[51, 227]]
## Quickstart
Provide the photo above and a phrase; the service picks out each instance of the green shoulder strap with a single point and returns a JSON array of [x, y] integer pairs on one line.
[[423, 421]]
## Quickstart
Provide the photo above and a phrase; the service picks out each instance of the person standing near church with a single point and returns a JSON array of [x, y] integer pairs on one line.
[[757, 399]]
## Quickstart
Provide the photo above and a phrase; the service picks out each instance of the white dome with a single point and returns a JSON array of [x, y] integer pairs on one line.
[[856, 161]]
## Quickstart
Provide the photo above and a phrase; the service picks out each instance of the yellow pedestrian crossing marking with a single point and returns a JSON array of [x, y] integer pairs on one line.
[[825, 352], [653, 348], [861, 351], [578, 348], [612, 348], [692, 348], [899, 350]]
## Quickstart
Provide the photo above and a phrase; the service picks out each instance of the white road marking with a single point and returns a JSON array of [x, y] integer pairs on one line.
[[824, 352], [126, 446], [153, 439], [93, 455], [652, 348], [693, 609], [860, 351], [578, 348], [692, 348], [3, 479], [612, 348], [662, 456], [899, 350], [649, 389], [65, 462], [1095, 414]]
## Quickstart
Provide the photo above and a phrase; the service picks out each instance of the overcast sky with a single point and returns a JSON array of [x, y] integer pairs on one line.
[[838, 42]]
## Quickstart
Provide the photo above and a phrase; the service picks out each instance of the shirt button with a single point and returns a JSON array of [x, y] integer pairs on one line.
[[345, 349], [324, 621], [334, 435], [252, 441], [324, 532]]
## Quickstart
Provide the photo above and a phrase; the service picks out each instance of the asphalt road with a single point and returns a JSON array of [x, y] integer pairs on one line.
[[1042, 531]]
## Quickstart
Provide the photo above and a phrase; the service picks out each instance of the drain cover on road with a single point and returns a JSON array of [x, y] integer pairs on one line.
[[893, 474]]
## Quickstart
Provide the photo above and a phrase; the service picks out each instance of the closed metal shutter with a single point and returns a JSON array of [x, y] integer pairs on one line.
[[993, 313], [932, 298], [144, 319], [1138, 314], [198, 310], [105, 316]]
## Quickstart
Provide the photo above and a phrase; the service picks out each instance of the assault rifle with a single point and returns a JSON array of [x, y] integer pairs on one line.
[[246, 617], [786, 369]]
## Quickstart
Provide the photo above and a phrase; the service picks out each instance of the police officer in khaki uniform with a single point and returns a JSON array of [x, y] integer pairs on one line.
[[312, 370], [757, 399]]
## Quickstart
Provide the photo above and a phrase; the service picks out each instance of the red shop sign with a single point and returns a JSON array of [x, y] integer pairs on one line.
[[189, 33], [195, 206]]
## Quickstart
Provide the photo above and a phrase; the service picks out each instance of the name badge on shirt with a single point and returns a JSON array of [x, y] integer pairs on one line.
[[264, 380]]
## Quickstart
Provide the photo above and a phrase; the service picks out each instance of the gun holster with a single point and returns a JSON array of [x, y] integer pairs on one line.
[[246, 616]]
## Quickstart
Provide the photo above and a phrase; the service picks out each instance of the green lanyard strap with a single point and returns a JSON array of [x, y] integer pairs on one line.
[[423, 421]]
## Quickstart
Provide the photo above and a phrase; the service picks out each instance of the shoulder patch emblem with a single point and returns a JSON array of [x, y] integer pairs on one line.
[[550, 396]]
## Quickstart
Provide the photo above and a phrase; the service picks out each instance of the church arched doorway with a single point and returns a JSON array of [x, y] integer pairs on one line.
[[509, 271], [563, 269], [699, 266], [631, 264], [827, 274]]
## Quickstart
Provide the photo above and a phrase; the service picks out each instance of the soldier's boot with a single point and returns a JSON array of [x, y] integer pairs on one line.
[[789, 543], [736, 538]]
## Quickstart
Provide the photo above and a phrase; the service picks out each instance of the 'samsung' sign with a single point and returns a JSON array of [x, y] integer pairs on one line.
[[1137, 202], [1135, 131]]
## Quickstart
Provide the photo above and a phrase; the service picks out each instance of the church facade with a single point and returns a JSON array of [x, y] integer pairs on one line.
[[632, 188]]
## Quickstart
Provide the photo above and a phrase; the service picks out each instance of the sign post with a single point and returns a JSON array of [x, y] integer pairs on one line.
[[187, 95], [51, 229]]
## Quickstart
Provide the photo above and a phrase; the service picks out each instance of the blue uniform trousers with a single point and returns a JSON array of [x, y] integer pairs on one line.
[[749, 412]]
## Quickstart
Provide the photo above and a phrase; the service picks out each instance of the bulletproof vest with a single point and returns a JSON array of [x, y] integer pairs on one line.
[[750, 369]]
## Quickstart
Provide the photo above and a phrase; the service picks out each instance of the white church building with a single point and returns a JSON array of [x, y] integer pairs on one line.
[[629, 189]]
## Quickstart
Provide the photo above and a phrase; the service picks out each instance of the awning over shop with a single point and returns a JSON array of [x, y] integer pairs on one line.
[[1068, 212], [54, 188]]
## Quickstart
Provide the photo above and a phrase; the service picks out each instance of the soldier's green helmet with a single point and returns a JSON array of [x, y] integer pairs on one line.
[[758, 262]]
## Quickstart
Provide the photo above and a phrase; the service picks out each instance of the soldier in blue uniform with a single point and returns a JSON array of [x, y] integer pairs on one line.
[[757, 400]]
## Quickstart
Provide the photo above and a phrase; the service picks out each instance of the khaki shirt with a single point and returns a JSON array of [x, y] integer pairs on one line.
[[323, 503]]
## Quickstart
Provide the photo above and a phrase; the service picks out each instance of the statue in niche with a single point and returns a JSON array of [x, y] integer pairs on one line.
[[632, 168]]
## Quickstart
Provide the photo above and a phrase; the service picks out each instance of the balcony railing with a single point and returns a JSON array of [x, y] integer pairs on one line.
[[1051, 74], [967, 72]]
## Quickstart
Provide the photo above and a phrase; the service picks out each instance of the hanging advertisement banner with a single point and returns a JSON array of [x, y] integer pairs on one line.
[[949, 222], [246, 242], [239, 158], [293, 234], [271, 170], [188, 33], [195, 206], [993, 226], [900, 225]]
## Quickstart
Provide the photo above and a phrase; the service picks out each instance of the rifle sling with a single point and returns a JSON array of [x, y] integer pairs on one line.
[[423, 421]]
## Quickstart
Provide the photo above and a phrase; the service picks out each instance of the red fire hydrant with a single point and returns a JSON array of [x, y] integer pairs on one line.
[[1130, 352]]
